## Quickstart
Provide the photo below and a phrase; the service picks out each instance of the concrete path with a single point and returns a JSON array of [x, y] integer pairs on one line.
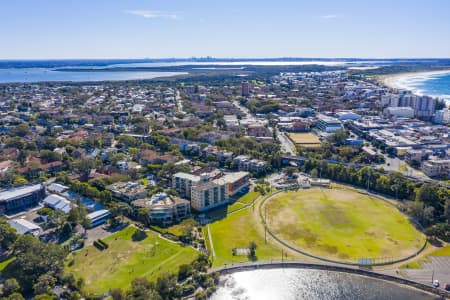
[[213, 253]]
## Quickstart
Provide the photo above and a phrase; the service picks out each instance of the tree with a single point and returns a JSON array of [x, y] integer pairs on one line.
[[117, 294], [44, 284], [447, 210], [19, 180], [428, 194], [184, 271], [143, 216], [15, 296], [165, 285], [142, 289], [10, 287], [20, 130], [35, 258], [7, 234]]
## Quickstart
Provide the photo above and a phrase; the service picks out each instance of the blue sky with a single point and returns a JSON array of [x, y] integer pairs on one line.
[[232, 28]]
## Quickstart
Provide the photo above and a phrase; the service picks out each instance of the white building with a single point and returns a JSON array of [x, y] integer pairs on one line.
[[23, 226], [399, 112], [437, 168], [442, 116], [183, 182], [57, 202], [328, 124], [347, 115]]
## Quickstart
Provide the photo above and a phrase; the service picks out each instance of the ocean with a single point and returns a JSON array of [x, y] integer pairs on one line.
[[431, 84]]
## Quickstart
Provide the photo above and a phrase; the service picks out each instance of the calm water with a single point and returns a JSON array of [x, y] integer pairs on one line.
[[9, 75], [45, 74], [437, 85], [286, 284]]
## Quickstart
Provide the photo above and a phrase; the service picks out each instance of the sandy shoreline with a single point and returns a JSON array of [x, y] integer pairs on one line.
[[391, 81]]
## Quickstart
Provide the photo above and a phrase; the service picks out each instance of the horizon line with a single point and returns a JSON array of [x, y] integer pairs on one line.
[[225, 58]]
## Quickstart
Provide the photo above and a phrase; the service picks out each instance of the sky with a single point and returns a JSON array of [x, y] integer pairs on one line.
[[56, 29]]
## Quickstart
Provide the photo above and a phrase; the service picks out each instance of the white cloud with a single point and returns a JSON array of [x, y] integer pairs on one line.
[[329, 17], [153, 14]]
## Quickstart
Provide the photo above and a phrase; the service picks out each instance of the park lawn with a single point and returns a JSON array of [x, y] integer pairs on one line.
[[5, 263], [248, 198], [177, 229], [238, 230], [444, 251], [417, 264], [126, 259], [222, 211], [342, 225], [235, 206]]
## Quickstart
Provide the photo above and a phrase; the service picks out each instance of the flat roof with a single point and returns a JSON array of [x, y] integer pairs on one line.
[[230, 177], [17, 192], [98, 214], [191, 177]]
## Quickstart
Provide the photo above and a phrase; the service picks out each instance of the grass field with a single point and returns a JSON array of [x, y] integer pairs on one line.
[[416, 264], [5, 263], [306, 139], [126, 259], [238, 230], [343, 225], [244, 200]]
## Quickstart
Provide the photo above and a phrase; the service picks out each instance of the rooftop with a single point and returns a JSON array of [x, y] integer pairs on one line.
[[18, 192]]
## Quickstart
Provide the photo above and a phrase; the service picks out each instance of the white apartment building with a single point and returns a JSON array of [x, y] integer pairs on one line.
[[437, 168]]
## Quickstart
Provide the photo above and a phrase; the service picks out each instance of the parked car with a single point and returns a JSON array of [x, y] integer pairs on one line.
[[436, 283]]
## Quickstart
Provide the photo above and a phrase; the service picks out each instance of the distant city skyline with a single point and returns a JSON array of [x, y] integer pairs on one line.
[[51, 29]]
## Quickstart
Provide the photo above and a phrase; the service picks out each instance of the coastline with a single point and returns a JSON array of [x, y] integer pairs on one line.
[[391, 80], [333, 268]]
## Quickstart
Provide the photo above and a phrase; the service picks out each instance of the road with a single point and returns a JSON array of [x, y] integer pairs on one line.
[[286, 144], [242, 108], [179, 102]]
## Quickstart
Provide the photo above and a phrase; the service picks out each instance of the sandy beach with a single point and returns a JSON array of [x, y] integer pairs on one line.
[[396, 81]]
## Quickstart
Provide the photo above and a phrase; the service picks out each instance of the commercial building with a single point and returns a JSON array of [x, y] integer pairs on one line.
[[127, 191], [57, 202], [347, 115], [399, 112], [23, 226], [17, 199], [57, 188], [442, 116], [328, 124], [165, 209], [437, 168], [98, 217]]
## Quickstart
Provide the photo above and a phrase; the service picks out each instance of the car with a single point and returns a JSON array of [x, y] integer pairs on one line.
[[436, 283], [447, 287]]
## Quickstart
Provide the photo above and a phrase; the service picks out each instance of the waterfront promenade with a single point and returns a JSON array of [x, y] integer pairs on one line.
[[382, 275]]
